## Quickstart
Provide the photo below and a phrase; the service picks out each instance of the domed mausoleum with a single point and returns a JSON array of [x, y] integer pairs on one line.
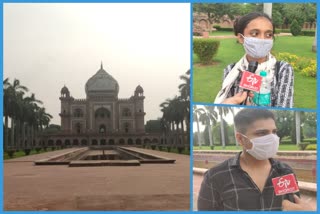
[[102, 112]]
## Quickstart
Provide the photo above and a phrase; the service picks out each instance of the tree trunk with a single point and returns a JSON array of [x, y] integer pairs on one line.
[[18, 135], [267, 9], [198, 130], [314, 45], [22, 144], [6, 133], [234, 128], [210, 135], [298, 124], [182, 132], [12, 131], [223, 142]]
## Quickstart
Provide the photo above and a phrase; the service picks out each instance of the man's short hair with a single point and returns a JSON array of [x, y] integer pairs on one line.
[[246, 117]]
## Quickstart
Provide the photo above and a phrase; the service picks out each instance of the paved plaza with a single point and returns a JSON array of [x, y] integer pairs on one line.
[[59, 187]]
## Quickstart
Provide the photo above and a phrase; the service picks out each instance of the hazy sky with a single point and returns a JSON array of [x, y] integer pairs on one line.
[[47, 46]]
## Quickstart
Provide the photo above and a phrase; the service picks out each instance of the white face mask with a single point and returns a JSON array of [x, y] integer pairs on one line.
[[264, 147], [257, 48]]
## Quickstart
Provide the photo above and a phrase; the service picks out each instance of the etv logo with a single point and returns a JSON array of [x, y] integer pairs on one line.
[[251, 79], [283, 183]]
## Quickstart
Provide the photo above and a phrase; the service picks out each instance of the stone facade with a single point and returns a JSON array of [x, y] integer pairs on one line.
[[102, 112], [103, 119]]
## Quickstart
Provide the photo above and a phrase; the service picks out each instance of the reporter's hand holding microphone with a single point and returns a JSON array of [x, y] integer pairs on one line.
[[244, 97]]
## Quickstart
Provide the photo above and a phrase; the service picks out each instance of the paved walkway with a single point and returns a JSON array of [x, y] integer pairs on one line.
[[197, 179], [145, 187]]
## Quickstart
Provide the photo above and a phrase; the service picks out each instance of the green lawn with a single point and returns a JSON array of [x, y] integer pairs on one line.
[[281, 148], [207, 80], [221, 33], [21, 153]]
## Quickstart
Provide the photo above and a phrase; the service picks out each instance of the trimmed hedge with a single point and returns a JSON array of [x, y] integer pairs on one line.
[[287, 142], [302, 33], [307, 33], [290, 142], [303, 146], [295, 28], [218, 27], [310, 140], [205, 49], [225, 29]]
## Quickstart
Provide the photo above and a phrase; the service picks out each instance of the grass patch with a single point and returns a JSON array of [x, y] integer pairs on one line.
[[22, 154], [185, 151], [221, 33], [239, 148], [207, 80]]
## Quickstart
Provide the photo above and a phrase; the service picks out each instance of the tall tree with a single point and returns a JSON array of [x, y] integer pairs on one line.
[[12, 95]]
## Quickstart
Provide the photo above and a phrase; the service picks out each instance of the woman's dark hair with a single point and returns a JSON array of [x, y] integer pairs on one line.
[[241, 23]]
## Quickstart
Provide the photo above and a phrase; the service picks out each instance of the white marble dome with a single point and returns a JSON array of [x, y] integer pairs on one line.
[[102, 82]]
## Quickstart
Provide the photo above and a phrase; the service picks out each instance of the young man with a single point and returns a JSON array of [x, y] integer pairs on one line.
[[244, 182]]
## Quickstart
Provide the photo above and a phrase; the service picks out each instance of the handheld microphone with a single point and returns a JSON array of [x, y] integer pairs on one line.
[[252, 67], [285, 185]]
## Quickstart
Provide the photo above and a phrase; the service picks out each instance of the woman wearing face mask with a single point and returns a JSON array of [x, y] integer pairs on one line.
[[255, 31]]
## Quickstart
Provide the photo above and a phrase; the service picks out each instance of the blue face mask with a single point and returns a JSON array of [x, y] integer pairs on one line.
[[257, 48]]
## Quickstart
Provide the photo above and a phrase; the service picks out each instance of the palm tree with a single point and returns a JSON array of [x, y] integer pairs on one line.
[[30, 119], [184, 89], [196, 113], [213, 117], [12, 93], [208, 116], [167, 117], [223, 111]]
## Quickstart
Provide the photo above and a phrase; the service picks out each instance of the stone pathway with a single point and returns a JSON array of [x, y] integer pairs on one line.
[[145, 187]]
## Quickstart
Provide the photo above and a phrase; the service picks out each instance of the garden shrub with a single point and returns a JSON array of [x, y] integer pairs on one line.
[[308, 33], [11, 153], [27, 151], [307, 67], [311, 70], [295, 28], [180, 149], [205, 49], [226, 29], [217, 27], [168, 148], [311, 140], [303, 146], [311, 147], [286, 142]]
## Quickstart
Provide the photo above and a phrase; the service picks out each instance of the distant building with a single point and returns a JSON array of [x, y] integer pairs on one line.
[[103, 119], [102, 112]]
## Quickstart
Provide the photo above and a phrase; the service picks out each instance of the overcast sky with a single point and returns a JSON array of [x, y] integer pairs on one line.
[[47, 46]]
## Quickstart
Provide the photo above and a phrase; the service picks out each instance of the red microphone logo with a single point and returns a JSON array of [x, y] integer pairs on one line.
[[250, 81], [285, 184]]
